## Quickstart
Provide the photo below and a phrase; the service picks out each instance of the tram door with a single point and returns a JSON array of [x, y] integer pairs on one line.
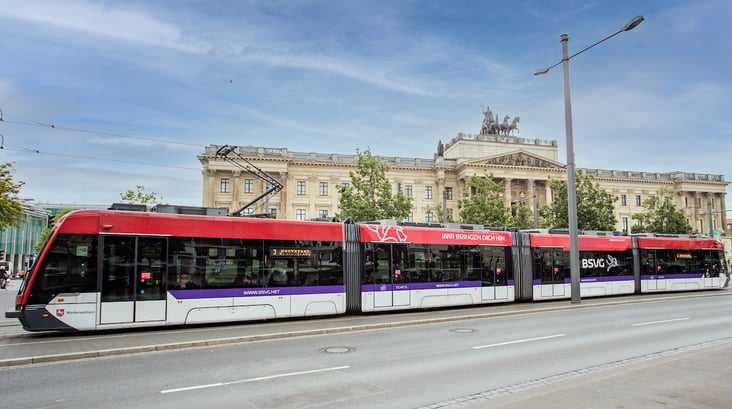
[[555, 270], [133, 279], [391, 276], [653, 270], [494, 273]]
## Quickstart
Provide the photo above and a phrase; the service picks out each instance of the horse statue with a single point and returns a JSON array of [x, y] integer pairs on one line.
[[514, 126], [503, 127], [493, 126]]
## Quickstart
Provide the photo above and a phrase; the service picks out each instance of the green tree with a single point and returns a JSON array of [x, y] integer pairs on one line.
[[524, 218], [438, 213], [48, 230], [595, 207], [141, 196], [483, 204], [661, 216], [11, 207], [369, 197]]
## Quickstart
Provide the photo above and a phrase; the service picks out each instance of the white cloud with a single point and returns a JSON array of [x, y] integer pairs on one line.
[[99, 19]]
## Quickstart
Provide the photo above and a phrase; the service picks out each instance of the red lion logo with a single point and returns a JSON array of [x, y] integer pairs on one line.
[[388, 233]]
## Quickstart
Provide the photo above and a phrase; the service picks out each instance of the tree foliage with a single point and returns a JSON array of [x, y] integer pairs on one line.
[[48, 230], [661, 216], [524, 218], [483, 204], [595, 207], [370, 197], [11, 207], [141, 196]]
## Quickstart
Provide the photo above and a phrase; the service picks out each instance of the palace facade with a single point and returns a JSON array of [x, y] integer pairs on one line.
[[312, 181]]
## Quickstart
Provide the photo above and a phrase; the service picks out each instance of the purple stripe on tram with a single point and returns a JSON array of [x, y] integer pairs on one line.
[[603, 279], [669, 276], [255, 292], [606, 279], [419, 286]]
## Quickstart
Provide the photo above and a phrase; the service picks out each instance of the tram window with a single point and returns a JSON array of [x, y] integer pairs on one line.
[[249, 257], [70, 265], [400, 263], [368, 264], [329, 256], [218, 270], [382, 265], [553, 263], [183, 272], [537, 263], [289, 262], [446, 263], [471, 263], [648, 262], [561, 266], [418, 261]]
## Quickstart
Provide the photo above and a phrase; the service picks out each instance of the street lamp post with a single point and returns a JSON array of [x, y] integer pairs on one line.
[[571, 182]]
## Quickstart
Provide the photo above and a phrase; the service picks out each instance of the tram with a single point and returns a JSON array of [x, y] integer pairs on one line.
[[110, 269]]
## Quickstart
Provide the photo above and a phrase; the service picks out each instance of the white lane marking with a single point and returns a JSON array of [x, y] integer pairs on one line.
[[640, 324], [261, 378], [519, 341]]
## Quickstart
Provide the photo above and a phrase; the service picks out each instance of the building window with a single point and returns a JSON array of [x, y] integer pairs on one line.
[[410, 217], [323, 213], [225, 185], [408, 190], [448, 193], [301, 187], [623, 200], [665, 200], [637, 200], [300, 214], [428, 217], [248, 185], [428, 192], [248, 210], [323, 189], [345, 186], [625, 224], [273, 213]]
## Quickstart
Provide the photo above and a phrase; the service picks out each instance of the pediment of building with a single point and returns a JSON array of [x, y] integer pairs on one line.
[[519, 158]]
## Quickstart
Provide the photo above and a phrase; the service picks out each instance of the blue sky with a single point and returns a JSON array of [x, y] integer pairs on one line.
[[100, 96]]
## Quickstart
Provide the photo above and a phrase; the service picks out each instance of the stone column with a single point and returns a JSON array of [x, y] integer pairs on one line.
[[507, 192], [209, 188], [283, 208], [236, 201], [534, 202]]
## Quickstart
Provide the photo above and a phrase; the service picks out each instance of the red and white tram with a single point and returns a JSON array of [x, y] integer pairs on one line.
[[118, 269]]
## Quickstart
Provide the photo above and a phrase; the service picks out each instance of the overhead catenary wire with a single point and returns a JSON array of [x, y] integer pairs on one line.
[[26, 122], [65, 155]]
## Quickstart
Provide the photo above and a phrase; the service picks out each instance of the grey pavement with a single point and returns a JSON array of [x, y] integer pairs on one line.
[[694, 378]]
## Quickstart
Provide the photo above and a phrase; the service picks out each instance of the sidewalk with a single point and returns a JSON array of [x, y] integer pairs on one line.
[[697, 379]]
